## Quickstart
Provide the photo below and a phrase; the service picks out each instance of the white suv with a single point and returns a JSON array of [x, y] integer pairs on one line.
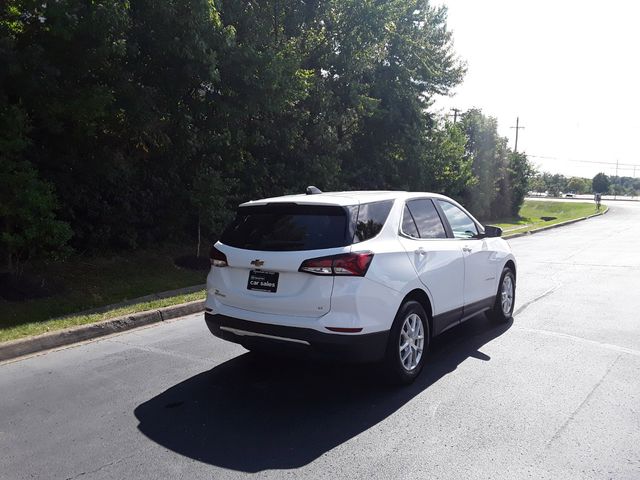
[[361, 276]]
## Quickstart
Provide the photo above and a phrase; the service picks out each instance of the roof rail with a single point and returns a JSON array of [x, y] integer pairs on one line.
[[311, 190]]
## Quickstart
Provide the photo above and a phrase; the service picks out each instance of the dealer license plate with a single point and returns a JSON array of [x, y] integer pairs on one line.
[[263, 281]]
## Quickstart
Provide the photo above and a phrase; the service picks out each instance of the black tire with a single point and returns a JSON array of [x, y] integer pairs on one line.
[[395, 369], [498, 313]]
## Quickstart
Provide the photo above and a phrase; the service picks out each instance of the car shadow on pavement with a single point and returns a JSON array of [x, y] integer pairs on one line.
[[253, 413]]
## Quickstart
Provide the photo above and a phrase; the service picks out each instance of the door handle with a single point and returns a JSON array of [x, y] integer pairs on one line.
[[421, 251], [466, 249]]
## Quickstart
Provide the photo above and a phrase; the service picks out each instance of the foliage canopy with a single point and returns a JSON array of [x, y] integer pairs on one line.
[[151, 120]]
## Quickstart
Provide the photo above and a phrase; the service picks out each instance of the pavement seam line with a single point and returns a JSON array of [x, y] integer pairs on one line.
[[608, 346], [586, 399], [160, 351], [523, 307]]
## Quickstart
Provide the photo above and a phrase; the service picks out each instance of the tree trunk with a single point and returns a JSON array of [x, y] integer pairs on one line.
[[198, 248]]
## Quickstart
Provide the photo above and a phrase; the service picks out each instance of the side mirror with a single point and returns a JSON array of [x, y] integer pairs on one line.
[[491, 231]]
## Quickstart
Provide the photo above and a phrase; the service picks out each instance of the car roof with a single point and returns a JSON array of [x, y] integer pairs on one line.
[[342, 198]]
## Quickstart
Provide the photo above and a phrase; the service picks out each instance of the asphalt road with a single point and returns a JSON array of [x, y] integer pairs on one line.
[[555, 394]]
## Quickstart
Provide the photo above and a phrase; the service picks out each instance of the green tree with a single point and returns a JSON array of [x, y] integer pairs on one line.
[[444, 166], [151, 121], [601, 183], [537, 184], [575, 184], [556, 183], [502, 177], [402, 54], [29, 226], [488, 153], [28, 223], [520, 171], [68, 64]]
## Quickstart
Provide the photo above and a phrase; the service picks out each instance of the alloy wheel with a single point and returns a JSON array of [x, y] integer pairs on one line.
[[411, 342], [506, 294]]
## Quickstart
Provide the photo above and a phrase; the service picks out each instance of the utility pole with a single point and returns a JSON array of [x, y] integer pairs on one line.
[[455, 114], [615, 191], [518, 128]]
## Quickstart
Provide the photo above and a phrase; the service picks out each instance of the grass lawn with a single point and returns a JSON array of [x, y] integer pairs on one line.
[[532, 212], [94, 282], [35, 328]]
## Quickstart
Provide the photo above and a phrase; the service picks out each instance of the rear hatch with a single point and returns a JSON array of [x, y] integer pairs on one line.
[[266, 245]]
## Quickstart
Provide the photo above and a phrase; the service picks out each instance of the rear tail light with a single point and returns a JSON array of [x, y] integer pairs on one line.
[[347, 264], [218, 259]]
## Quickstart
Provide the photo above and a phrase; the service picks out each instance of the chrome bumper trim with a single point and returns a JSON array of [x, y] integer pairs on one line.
[[245, 333]]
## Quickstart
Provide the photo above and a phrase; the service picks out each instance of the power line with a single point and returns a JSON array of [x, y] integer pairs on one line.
[[585, 161], [610, 165]]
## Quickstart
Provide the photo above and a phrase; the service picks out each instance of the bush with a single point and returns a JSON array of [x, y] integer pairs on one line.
[[28, 222]]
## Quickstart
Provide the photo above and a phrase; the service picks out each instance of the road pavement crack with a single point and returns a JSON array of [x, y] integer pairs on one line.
[[160, 351], [582, 404], [523, 307], [109, 464]]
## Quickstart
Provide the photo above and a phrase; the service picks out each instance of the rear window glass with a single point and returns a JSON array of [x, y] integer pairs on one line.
[[370, 220], [282, 227]]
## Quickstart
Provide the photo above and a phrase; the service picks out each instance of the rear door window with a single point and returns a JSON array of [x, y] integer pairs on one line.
[[426, 218], [288, 227], [370, 220], [408, 224]]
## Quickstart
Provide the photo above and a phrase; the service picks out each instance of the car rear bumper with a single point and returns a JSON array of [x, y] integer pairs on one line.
[[304, 342]]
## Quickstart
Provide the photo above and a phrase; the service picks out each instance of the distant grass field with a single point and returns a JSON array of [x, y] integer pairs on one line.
[[95, 282], [533, 211]]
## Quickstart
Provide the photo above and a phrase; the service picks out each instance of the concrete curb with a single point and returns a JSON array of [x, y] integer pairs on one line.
[[26, 346], [561, 224]]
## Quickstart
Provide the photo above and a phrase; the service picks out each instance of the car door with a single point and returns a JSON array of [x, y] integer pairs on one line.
[[479, 259], [437, 259]]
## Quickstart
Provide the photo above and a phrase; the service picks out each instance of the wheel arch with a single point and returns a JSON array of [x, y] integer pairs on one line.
[[511, 265], [420, 296]]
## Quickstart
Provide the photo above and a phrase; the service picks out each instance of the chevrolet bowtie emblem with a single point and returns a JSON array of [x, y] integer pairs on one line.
[[257, 262]]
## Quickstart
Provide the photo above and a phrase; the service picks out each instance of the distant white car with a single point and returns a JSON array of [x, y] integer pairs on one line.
[[360, 276]]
